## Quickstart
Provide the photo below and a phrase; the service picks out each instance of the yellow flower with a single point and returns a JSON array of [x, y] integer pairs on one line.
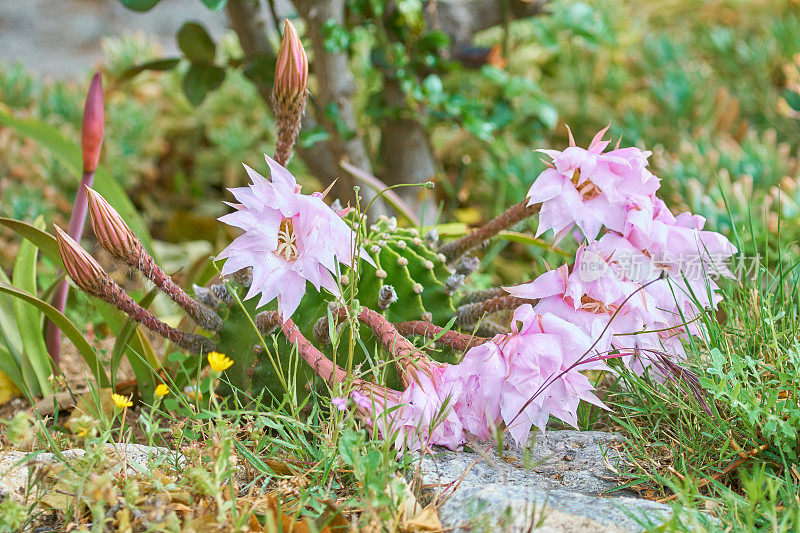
[[219, 362], [162, 390], [121, 401]]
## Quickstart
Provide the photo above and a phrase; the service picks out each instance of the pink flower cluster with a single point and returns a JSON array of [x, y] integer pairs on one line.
[[640, 280], [631, 240]]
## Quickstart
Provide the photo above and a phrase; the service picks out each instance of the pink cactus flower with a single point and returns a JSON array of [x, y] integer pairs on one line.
[[289, 238]]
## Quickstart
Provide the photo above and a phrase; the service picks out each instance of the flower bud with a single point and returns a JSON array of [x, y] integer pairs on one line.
[[111, 231], [291, 70], [80, 266], [93, 124]]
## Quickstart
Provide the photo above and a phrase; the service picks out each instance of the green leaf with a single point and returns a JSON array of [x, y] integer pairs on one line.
[[35, 360], [70, 155], [10, 367], [525, 238], [43, 240], [200, 80], [9, 333], [215, 5], [196, 44], [66, 327], [159, 64], [546, 113], [253, 459], [140, 5]]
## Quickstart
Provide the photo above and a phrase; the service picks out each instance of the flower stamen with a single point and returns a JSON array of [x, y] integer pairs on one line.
[[287, 241]]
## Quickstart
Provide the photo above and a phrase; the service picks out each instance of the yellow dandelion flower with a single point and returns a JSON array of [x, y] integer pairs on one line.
[[122, 401], [162, 390], [219, 361]]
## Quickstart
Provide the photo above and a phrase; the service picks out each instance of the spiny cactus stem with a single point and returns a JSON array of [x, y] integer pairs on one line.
[[482, 296], [408, 358], [288, 116], [109, 291], [455, 340], [204, 316], [467, 315], [521, 211]]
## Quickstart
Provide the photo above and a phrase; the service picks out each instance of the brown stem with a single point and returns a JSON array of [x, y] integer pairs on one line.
[[113, 294], [204, 316], [470, 314], [521, 211], [457, 341]]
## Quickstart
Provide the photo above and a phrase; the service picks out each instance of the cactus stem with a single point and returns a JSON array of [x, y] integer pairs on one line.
[[323, 367], [204, 316], [482, 296], [521, 211], [196, 344], [457, 341]]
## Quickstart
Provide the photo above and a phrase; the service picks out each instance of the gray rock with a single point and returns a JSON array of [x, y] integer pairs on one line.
[[558, 484], [18, 468]]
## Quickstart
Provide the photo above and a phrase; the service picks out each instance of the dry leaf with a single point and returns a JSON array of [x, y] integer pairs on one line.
[[426, 520], [332, 519]]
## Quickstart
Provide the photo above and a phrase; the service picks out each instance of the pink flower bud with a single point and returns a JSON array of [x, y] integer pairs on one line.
[[93, 124], [80, 266], [291, 70], [112, 232]]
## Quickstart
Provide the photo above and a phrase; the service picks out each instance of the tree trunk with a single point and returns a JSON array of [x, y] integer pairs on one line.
[[407, 156]]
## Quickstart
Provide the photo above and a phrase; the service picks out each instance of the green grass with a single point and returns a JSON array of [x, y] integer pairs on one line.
[[728, 457]]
